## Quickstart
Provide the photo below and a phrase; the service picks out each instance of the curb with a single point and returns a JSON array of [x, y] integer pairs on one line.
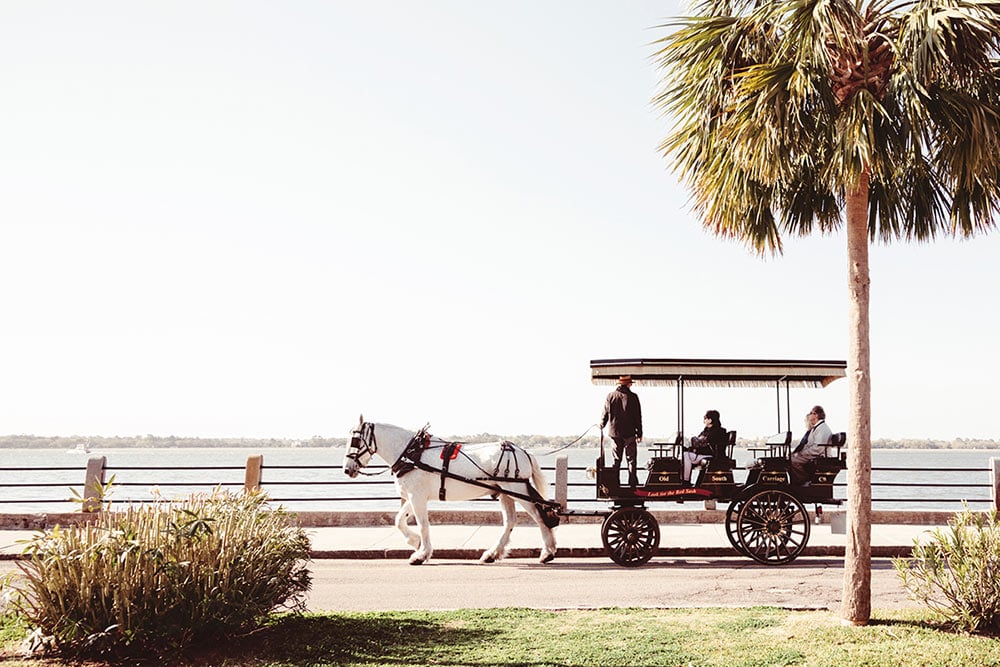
[[591, 552]]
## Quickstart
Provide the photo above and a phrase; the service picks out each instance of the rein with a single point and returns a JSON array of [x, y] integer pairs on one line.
[[570, 444]]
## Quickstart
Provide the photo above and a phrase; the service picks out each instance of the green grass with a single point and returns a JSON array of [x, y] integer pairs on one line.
[[754, 637], [12, 629]]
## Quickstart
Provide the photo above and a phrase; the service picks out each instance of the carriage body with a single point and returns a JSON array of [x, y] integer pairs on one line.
[[766, 518], [664, 477]]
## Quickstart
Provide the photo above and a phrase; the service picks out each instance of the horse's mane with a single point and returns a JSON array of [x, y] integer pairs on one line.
[[393, 427], [407, 432], [393, 431]]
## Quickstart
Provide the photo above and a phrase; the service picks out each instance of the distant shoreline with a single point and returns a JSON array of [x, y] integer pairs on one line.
[[532, 442]]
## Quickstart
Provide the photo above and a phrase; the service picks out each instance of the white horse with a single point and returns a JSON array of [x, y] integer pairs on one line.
[[427, 468]]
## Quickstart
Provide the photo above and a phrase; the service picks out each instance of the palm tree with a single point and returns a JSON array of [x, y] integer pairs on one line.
[[791, 115]]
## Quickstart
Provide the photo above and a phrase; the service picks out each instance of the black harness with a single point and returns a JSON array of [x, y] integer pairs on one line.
[[450, 451], [508, 451], [412, 458]]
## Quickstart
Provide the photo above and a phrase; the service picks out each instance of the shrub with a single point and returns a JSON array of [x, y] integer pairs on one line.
[[956, 572], [164, 575]]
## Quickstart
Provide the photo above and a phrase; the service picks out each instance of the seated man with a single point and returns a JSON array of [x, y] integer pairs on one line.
[[812, 446], [712, 441]]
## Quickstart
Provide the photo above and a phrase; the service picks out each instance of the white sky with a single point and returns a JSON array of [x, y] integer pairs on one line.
[[261, 219]]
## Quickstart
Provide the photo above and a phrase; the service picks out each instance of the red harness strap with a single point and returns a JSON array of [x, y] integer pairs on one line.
[[451, 450]]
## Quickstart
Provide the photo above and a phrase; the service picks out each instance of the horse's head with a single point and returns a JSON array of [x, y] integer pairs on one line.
[[361, 449]]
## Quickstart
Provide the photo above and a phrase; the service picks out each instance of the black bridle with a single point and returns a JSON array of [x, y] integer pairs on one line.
[[362, 442]]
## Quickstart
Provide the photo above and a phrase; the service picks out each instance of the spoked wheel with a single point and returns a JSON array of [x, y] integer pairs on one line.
[[773, 527], [631, 536], [732, 512]]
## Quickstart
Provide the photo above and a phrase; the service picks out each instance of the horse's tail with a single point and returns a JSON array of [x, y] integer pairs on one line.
[[548, 510]]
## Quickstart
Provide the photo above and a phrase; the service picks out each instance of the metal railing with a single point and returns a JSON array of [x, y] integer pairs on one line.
[[311, 486]]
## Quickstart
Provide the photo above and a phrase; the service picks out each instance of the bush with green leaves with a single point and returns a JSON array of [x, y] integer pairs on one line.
[[956, 571], [163, 576]]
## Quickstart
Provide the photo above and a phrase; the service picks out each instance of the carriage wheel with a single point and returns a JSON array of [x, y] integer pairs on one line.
[[732, 512], [631, 536], [773, 527]]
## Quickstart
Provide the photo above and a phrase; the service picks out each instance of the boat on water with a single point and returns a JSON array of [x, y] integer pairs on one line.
[[81, 448]]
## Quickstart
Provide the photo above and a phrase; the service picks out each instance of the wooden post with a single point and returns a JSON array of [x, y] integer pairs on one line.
[[93, 484], [995, 481], [562, 480], [252, 480]]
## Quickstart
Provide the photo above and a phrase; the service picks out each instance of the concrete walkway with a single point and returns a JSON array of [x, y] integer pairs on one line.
[[582, 540]]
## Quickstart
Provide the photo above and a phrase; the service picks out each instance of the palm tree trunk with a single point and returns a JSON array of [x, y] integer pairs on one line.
[[856, 599]]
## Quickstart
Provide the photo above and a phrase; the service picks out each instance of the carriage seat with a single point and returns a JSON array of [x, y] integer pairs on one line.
[[726, 462], [668, 450], [776, 448], [833, 462], [821, 472], [780, 444], [834, 448], [664, 465], [835, 458]]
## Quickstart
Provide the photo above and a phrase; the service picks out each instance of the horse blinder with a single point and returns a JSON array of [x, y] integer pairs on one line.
[[362, 442]]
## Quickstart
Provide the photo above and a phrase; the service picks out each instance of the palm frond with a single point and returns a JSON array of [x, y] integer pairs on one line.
[[779, 107], [950, 42]]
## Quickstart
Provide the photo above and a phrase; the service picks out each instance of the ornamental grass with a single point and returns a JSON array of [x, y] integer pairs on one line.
[[163, 576], [956, 572]]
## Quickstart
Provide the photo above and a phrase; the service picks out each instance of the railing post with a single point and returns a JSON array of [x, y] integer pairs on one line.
[[252, 479], [562, 480], [93, 484], [995, 481]]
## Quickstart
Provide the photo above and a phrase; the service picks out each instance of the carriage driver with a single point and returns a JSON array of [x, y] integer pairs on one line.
[[813, 444], [624, 414]]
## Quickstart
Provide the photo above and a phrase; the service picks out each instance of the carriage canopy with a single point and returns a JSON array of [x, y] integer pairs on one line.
[[719, 372]]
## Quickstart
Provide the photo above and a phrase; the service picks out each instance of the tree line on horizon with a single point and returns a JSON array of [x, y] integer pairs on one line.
[[528, 441]]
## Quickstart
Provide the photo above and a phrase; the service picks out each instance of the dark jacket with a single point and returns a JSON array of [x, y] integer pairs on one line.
[[713, 441], [623, 412]]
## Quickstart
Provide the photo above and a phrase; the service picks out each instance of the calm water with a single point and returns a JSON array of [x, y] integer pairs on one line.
[[311, 478]]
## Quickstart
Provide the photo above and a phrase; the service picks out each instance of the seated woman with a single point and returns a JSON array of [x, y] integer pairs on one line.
[[712, 441]]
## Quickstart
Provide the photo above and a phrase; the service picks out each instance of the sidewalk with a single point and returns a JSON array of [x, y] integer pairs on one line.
[[583, 540], [573, 539]]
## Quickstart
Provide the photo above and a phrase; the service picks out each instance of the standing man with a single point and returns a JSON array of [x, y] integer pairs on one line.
[[812, 445], [623, 412]]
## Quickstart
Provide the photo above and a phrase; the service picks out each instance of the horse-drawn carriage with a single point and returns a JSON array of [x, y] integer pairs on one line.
[[766, 518]]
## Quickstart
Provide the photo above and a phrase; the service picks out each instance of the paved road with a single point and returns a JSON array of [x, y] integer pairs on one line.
[[807, 583], [387, 584]]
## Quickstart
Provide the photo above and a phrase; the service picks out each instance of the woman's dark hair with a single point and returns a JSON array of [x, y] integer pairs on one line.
[[714, 416]]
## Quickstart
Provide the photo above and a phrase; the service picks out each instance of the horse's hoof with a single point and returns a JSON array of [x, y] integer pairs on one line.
[[416, 561], [547, 559], [487, 559]]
